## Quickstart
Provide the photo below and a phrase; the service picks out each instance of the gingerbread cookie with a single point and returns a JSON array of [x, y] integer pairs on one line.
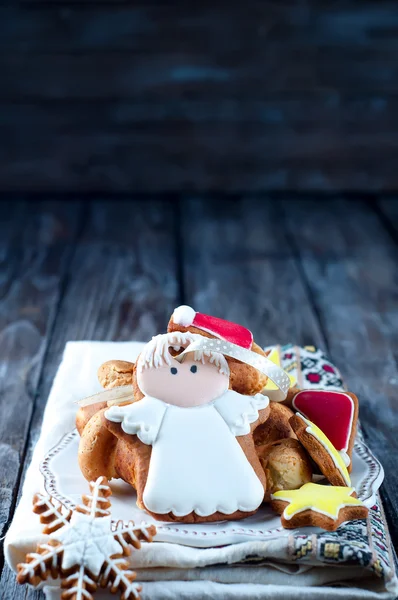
[[318, 505], [276, 427], [83, 548], [186, 443], [111, 375], [321, 450], [286, 465], [243, 378], [335, 413], [85, 413], [114, 373]]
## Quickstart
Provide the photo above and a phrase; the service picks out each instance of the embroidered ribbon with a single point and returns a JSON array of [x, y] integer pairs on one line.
[[275, 373]]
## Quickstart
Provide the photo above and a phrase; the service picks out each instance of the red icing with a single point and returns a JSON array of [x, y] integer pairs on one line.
[[332, 412], [231, 332], [328, 368]]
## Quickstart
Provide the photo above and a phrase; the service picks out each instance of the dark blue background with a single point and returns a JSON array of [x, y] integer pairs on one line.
[[227, 96]]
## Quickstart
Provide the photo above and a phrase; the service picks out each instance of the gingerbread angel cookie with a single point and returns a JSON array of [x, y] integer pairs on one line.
[[202, 464], [168, 429]]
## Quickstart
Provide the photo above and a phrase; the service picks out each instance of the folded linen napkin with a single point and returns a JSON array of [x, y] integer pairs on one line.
[[353, 562]]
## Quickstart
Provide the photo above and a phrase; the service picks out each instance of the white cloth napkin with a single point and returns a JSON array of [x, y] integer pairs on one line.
[[169, 570]]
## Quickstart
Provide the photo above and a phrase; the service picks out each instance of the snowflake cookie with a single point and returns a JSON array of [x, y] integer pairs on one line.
[[83, 548]]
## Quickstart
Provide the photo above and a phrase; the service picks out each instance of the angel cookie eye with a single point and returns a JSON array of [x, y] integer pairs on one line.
[[194, 368], [173, 371]]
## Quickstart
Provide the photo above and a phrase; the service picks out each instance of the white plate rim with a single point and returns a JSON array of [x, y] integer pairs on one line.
[[221, 535]]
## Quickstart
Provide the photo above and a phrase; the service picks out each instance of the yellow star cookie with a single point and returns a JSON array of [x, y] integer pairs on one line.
[[319, 505]]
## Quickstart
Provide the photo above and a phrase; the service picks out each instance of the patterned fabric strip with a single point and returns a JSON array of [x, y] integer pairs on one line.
[[365, 543]]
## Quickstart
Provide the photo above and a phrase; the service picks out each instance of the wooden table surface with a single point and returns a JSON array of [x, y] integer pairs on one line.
[[310, 271]]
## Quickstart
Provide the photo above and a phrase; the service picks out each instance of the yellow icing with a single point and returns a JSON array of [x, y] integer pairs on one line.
[[327, 444], [274, 357], [323, 499]]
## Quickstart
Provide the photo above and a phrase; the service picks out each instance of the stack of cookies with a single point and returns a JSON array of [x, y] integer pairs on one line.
[[207, 426]]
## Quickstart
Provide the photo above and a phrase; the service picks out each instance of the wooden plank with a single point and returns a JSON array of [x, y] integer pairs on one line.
[[121, 286], [71, 26], [349, 261], [388, 210], [36, 241], [278, 67], [237, 265], [281, 143]]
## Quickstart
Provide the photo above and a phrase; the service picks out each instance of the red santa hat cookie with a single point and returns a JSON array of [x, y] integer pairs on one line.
[[335, 413], [186, 316]]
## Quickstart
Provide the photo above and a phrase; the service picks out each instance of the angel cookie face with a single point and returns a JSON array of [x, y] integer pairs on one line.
[[187, 383], [196, 469]]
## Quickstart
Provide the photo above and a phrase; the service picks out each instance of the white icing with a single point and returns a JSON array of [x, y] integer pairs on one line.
[[196, 462], [114, 566], [40, 560], [349, 431], [345, 457], [157, 354], [142, 418], [87, 541], [240, 411], [184, 315], [81, 579]]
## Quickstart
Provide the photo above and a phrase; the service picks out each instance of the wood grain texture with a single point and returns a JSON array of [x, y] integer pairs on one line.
[[238, 265], [349, 262], [260, 96], [33, 261], [320, 271], [120, 285], [36, 243]]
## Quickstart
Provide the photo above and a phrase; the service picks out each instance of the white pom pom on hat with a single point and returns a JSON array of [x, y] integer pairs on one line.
[[184, 315]]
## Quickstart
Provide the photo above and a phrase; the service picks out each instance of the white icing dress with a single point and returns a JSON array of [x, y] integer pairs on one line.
[[196, 462]]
